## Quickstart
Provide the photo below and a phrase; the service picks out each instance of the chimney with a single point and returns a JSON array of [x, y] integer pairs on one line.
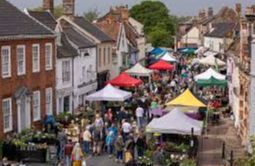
[[124, 13], [202, 14], [239, 9], [48, 5], [210, 12], [68, 7]]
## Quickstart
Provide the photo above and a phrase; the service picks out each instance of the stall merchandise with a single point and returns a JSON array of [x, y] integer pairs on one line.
[[210, 73], [109, 93], [186, 99], [126, 81], [161, 65], [175, 122]]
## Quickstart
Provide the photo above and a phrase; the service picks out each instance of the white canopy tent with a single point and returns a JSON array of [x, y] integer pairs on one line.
[[210, 73], [212, 61], [109, 93], [139, 70], [168, 57], [201, 50], [175, 122], [210, 53]]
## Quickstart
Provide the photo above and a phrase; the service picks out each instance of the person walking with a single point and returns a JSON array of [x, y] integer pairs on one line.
[[68, 153], [140, 145], [139, 116], [126, 129], [86, 140], [157, 157], [109, 142], [77, 155], [119, 147]]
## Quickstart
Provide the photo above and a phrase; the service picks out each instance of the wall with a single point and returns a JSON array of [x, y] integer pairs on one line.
[[108, 57], [141, 47], [82, 85], [192, 37], [33, 81]]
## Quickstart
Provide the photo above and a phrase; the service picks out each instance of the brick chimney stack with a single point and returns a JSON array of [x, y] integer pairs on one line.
[[69, 8], [210, 12], [48, 5], [239, 9]]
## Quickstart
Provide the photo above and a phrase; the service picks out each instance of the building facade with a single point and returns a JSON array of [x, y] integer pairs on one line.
[[27, 70]]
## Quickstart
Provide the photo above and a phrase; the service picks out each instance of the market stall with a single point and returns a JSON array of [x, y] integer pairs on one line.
[[125, 81], [175, 122], [212, 61], [161, 65], [109, 93], [210, 73], [186, 99], [168, 57], [212, 81]]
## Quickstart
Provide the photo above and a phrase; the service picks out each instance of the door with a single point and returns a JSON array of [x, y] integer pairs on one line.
[[22, 113], [67, 104]]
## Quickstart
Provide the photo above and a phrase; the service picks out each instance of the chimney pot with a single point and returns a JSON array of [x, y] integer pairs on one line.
[[69, 8], [48, 5]]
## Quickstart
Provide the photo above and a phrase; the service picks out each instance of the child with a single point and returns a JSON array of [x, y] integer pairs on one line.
[[119, 146]]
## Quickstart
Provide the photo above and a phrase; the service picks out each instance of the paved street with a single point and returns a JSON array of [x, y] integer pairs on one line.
[[210, 150], [102, 161]]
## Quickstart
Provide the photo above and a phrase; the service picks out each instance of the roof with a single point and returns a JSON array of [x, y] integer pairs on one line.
[[110, 28], [16, 23], [124, 80], [44, 17], [92, 29], [131, 33], [65, 49], [77, 38], [221, 30]]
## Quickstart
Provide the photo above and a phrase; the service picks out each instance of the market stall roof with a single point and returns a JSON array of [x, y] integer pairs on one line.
[[201, 49], [158, 112], [212, 61], [210, 73], [211, 82], [186, 99], [188, 51], [175, 122], [168, 57], [161, 65], [210, 53], [157, 51], [124, 80], [139, 70], [109, 93]]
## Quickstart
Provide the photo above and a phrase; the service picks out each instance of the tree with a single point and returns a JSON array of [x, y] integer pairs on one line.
[[159, 26], [91, 15]]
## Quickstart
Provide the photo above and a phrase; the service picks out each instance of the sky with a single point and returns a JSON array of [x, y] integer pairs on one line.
[[176, 7]]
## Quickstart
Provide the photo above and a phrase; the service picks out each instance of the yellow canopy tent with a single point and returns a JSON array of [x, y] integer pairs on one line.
[[186, 99]]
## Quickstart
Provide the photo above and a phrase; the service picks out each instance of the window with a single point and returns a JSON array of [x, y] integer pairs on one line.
[[7, 114], [86, 53], [99, 57], [21, 60], [104, 56], [6, 61], [109, 55], [84, 73], [48, 56], [36, 57], [36, 105], [48, 95], [66, 71]]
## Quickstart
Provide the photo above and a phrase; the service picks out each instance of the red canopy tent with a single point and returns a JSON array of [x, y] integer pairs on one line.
[[161, 65], [124, 80]]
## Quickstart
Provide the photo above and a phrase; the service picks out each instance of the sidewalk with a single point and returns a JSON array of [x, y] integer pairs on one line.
[[210, 150]]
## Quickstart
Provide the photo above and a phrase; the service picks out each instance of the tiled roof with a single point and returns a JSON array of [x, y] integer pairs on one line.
[[65, 49], [13, 22], [221, 30], [92, 29], [77, 38], [44, 17], [110, 28]]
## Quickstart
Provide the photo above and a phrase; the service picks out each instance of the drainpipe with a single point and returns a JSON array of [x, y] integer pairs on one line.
[[73, 85]]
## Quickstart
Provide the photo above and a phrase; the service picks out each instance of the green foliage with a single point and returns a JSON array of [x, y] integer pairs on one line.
[[248, 160], [159, 26], [188, 162], [91, 15]]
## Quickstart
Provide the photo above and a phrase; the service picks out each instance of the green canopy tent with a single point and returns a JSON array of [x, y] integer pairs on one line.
[[211, 82], [188, 51]]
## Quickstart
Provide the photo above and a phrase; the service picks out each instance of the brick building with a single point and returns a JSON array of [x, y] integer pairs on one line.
[[27, 90]]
